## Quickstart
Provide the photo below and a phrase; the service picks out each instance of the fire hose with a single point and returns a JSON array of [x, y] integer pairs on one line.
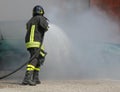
[[37, 52]]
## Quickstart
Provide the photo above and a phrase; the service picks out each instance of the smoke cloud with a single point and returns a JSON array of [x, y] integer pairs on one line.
[[98, 45]]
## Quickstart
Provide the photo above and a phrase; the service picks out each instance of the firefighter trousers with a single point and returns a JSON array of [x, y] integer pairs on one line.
[[37, 61]]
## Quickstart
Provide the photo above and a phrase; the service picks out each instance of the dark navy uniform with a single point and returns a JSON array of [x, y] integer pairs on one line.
[[36, 28]]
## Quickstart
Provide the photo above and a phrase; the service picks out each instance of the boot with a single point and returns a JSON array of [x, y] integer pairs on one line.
[[28, 79], [36, 77]]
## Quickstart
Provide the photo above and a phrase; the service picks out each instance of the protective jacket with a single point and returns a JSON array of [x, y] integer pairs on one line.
[[36, 27]]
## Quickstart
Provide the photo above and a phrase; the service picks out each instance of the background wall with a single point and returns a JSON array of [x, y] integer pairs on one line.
[[112, 7]]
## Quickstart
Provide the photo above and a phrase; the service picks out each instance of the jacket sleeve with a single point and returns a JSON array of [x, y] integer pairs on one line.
[[43, 23]]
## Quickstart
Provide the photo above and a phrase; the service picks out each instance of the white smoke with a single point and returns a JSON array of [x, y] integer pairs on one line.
[[97, 46]]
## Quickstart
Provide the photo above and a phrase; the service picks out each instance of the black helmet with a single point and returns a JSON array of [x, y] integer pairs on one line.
[[38, 10]]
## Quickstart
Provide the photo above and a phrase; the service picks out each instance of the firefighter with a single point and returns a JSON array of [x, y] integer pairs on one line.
[[36, 28]]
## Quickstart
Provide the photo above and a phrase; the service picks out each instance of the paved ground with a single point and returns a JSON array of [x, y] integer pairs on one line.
[[63, 86]]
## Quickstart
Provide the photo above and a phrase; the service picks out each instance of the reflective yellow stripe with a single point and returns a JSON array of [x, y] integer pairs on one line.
[[32, 33], [30, 69], [42, 48], [37, 69], [42, 54], [32, 44], [31, 66], [35, 44]]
